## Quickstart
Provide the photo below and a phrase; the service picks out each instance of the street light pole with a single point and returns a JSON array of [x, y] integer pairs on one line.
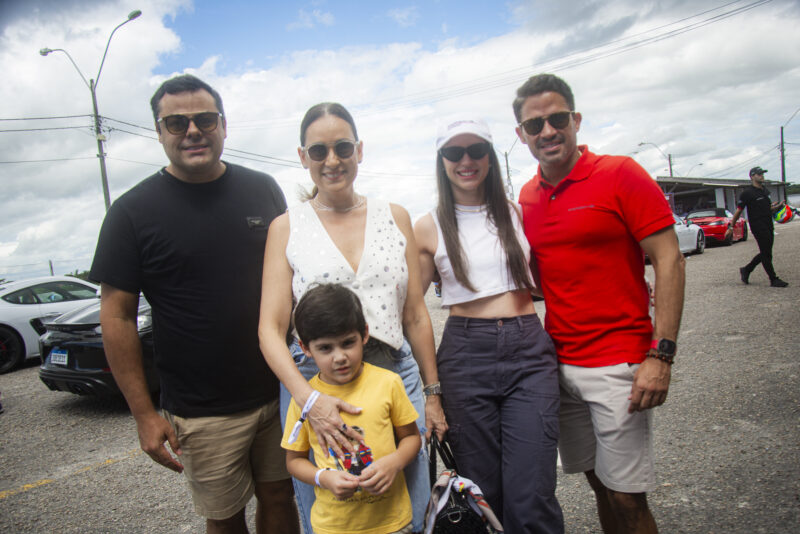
[[101, 151], [692, 168], [668, 157], [92, 85]]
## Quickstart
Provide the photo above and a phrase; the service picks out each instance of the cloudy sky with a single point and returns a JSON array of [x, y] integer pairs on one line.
[[709, 82]]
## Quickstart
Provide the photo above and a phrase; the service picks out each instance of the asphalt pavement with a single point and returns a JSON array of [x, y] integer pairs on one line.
[[727, 440]]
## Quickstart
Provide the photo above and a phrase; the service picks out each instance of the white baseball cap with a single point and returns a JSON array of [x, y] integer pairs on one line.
[[448, 129]]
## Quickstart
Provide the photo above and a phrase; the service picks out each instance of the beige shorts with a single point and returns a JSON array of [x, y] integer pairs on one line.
[[224, 457], [597, 432]]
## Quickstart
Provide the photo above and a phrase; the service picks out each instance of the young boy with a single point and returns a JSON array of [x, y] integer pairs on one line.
[[364, 492]]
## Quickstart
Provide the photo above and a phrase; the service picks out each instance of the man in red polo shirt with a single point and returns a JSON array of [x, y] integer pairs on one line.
[[589, 220]]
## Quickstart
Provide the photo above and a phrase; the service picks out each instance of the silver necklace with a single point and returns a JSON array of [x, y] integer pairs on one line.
[[360, 199], [470, 209]]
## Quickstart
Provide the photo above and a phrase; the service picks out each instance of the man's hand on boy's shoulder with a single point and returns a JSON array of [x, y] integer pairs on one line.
[[341, 483]]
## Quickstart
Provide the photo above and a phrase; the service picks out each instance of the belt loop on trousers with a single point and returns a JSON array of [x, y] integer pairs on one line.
[[520, 323]]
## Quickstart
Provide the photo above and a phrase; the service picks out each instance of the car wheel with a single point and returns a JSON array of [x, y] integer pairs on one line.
[[11, 349], [728, 241], [744, 233], [701, 243]]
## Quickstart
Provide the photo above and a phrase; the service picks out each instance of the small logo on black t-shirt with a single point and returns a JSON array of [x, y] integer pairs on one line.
[[257, 223]]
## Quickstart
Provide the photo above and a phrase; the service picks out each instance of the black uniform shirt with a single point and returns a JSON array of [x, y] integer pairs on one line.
[[759, 207]]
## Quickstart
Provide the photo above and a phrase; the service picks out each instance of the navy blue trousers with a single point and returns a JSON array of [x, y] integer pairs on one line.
[[500, 392]]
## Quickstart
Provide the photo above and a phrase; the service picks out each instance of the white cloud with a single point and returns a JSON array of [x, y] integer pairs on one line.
[[715, 96], [308, 20], [404, 17]]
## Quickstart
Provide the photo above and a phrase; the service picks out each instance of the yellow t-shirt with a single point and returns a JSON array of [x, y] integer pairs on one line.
[[385, 405]]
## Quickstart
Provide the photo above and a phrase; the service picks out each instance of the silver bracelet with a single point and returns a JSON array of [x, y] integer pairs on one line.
[[432, 389]]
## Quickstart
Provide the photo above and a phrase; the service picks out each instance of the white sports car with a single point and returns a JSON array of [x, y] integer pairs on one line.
[[24, 305], [691, 238]]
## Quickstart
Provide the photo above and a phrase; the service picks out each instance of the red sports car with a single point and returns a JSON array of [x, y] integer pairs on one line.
[[715, 222]]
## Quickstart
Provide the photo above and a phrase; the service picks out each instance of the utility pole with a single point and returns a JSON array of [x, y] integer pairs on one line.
[[101, 153], [667, 156], [783, 159]]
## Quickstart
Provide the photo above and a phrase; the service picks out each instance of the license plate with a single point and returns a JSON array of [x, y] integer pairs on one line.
[[58, 357]]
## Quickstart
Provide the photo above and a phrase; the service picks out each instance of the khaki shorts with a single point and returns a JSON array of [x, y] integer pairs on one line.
[[597, 432], [224, 457]]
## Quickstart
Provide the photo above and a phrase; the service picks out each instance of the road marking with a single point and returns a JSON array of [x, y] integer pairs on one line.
[[45, 481]]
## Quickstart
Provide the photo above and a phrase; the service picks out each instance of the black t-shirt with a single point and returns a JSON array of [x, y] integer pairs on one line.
[[759, 207], [196, 251]]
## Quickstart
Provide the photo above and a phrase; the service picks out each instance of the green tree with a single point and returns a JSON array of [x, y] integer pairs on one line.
[[83, 275]]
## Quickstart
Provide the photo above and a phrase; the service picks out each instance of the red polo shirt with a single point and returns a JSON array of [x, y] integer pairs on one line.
[[585, 235]]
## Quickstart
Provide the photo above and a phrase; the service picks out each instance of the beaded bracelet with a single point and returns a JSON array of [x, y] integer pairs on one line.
[[653, 353]]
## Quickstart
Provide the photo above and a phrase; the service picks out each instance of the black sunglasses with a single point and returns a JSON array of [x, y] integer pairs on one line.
[[475, 152], [557, 120], [206, 122], [319, 151]]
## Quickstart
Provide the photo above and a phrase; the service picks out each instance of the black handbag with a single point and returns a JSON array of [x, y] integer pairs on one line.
[[459, 514]]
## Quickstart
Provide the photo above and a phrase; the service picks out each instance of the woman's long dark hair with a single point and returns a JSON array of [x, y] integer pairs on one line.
[[317, 111], [499, 213]]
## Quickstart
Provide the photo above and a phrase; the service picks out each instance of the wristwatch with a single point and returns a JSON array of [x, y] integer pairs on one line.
[[432, 389], [663, 349]]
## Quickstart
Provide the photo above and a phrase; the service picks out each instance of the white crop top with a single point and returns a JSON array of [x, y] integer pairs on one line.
[[487, 265], [381, 281]]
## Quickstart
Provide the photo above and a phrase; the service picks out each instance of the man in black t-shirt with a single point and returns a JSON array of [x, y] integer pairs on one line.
[[759, 214], [191, 238]]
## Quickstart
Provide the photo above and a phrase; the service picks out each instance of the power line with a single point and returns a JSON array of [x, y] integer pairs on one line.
[[790, 118], [47, 160], [47, 129], [110, 129], [150, 129], [740, 164], [562, 63], [512, 76], [292, 162], [134, 161], [567, 61], [44, 118]]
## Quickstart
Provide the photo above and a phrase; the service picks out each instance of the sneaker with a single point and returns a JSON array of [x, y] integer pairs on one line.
[[745, 274], [777, 282]]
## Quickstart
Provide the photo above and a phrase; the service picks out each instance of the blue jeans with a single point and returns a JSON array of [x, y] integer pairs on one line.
[[500, 393], [403, 363]]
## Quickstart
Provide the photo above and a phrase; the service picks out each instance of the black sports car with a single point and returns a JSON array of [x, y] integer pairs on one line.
[[72, 353]]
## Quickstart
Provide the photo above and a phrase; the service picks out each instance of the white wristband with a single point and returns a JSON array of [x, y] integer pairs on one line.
[[303, 415], [316, 477]]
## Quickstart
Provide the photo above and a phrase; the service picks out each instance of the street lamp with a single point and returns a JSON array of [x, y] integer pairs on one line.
[[92, 85], [692, 168], [668, 157]]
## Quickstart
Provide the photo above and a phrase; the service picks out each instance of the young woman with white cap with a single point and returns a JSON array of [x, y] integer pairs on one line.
[[497, 366]]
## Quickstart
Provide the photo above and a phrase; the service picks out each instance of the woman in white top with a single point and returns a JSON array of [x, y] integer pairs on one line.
[[338, 236], [497, 366]]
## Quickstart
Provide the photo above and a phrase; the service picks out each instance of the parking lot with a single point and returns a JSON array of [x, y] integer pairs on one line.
[[727, 441]]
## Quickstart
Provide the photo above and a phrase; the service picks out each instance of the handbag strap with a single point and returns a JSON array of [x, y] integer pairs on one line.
[[445, 453]]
